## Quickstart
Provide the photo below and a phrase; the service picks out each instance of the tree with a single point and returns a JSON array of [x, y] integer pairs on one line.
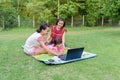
[[82, 10], [68, 9], [17, 5], [34, 8], [92, 11], [52, 6], [58, 8], [8, 14], [108, 9]]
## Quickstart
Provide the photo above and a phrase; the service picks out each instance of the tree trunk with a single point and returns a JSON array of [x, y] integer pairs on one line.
[[83, 20], [58, 8], [18, 20], [119, 23], [47, 21], [18, 3], [3, 23], [33, 21], [110, 21], [102, 21], [71, 21]]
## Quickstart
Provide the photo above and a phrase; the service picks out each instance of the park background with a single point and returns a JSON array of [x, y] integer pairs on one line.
[[31, 13], [93, 24]]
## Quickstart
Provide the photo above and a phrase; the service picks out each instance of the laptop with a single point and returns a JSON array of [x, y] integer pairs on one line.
[[72, 54]]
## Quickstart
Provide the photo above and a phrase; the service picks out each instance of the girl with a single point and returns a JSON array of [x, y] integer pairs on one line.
[[57, 46], [58, 31], [35, 44]]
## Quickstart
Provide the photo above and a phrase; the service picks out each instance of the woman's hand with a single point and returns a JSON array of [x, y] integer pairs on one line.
[[56, 53], [59, 53]]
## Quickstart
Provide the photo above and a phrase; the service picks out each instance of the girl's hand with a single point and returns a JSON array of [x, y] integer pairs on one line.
[[60, 53]]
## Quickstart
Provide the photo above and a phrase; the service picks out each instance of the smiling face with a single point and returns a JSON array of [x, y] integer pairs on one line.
[[60, 24]]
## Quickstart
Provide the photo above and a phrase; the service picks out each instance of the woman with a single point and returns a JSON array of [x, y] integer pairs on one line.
[[58, 31]]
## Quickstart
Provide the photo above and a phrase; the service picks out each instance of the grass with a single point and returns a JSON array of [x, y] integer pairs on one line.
[[104, 41]]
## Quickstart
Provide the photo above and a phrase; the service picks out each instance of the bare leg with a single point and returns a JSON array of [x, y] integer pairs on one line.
[[41, 51]]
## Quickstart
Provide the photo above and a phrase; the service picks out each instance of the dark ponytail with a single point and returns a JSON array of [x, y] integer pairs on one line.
[[42, 27]]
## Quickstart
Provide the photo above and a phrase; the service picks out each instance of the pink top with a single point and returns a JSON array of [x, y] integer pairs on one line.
[[55, 48]]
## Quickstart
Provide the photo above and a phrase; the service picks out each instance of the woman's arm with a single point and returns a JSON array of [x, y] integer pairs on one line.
[[49, 39], [63, 38]]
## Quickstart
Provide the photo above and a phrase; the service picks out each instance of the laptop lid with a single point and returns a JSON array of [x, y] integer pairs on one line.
[[74, 53]]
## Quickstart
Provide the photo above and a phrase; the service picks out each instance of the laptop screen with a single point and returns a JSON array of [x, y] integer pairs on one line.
[[74, 53]]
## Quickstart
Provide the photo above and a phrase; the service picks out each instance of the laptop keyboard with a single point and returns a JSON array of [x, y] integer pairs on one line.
[[63, 57]]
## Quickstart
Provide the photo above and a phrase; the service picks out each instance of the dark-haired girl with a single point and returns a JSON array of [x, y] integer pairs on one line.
[[57, 46]]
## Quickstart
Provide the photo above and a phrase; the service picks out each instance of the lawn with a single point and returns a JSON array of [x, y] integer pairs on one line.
[[104, 41]]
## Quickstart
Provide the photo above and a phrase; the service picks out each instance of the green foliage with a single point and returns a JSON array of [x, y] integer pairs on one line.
[[92, 12], [7, 15], [46, 16], [39, 11], [11, 18], [68, 9]]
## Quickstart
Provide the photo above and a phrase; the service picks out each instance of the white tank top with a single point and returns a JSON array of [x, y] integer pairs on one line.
[[32, 42]]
